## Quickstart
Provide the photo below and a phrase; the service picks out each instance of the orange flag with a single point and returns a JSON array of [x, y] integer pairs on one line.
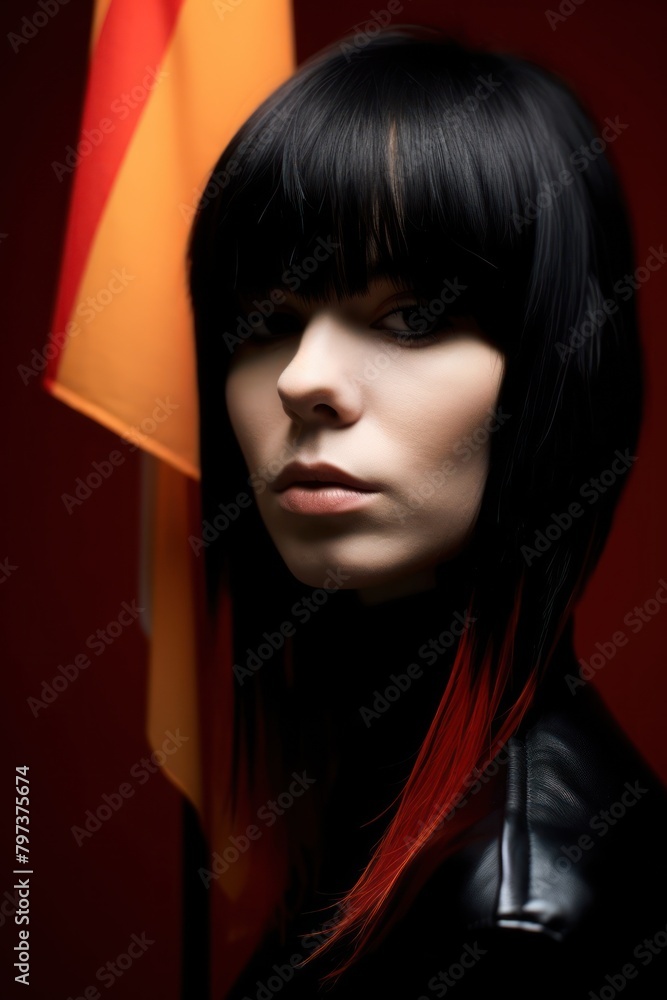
[[169, 83]]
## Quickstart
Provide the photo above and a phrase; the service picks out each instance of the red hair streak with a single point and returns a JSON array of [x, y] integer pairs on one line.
[[456, 744]]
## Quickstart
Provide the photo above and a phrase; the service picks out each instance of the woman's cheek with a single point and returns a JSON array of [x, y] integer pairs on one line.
[[249, 413]]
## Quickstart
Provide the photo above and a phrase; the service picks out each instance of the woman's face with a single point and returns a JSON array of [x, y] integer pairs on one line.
[[367, 447]]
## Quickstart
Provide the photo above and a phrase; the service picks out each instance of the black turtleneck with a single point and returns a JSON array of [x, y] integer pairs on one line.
[[379, 673]]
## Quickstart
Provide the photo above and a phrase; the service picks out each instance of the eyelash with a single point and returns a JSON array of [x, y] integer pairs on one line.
[[414, 337]]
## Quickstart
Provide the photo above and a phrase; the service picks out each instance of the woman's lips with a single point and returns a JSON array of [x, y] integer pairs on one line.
[[321, 488], [317, 497], [318, 474]]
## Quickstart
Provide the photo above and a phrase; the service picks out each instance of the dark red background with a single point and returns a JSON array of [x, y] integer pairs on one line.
[[73, 571]]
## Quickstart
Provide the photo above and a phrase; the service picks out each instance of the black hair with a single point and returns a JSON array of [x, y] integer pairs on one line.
[[418, 158]]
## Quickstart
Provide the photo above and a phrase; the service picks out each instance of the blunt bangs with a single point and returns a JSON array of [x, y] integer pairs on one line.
[[417, 172]]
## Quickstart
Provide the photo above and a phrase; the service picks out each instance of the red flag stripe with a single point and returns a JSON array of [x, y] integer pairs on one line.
[[124, 68]]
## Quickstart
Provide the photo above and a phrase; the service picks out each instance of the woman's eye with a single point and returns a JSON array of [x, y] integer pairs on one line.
[[409, 324], [413, 322]]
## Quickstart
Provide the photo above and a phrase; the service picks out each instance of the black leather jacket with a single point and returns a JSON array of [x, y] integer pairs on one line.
[[558, 889]]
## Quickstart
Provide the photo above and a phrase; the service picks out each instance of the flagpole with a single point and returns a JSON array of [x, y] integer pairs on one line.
[[195, 923]]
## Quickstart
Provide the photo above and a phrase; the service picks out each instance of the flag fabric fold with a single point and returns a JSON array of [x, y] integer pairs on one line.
[[169, 83]]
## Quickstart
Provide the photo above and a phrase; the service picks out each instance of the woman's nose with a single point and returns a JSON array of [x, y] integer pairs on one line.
[[318, 384]]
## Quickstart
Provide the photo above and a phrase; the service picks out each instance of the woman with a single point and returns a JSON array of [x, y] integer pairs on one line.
[[415, 373]]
